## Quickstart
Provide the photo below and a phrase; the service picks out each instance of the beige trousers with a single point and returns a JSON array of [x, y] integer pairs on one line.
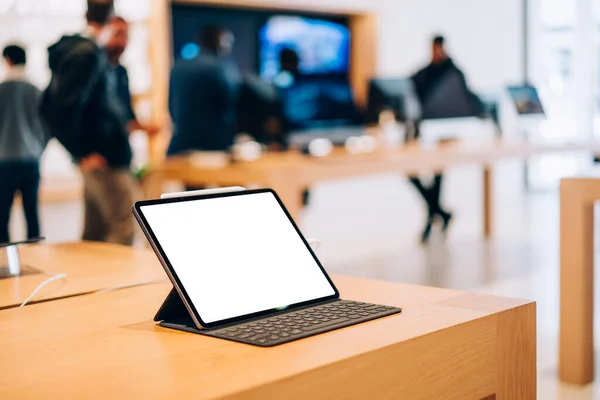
[[108, 199]]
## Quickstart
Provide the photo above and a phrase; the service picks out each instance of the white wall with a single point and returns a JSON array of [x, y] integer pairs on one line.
[[484, 37]]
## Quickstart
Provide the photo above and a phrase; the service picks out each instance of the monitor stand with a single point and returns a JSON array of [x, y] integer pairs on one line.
[[10, 264]]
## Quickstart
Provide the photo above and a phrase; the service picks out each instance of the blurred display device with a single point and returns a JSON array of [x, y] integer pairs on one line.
[[392, 94], [323, 46], [526, 100]]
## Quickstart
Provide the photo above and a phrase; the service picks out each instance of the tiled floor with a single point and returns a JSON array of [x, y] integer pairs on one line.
[[370, 228]]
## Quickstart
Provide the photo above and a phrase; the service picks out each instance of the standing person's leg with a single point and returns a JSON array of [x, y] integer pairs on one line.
[[115, 201], [7, 195], [435, 193], [426, 193], [430, 195], [435, 204], [94, 228], [29, 186], [423, 191]]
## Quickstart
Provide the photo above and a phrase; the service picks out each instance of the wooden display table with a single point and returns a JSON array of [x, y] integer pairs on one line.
[[289, 174], [89, 267], [445, 345], [577, 198]]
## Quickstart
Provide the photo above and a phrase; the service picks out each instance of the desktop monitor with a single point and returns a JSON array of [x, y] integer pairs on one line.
[[318, 102], [392, 94], [526, 100], [323, 45]]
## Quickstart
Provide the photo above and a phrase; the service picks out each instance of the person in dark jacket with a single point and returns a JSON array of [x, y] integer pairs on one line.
[[23, 139], [425, 81], [82, 109], [203, 95]]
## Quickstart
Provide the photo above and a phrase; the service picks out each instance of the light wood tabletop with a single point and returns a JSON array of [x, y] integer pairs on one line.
[[89, 267], [446, 344], [290, 173]]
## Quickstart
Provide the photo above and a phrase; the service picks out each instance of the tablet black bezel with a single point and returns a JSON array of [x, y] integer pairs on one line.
[[175, 279]]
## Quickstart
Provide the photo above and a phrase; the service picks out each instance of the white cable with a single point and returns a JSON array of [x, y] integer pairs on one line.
[[47, 281], [131, 286]]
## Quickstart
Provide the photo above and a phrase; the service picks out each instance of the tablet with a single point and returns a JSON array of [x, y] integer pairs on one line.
[[234, 256]]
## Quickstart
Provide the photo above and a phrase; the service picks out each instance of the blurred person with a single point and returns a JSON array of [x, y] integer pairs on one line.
[[425, 81], [115, 48], [82, 108], [289, 61], [289, 65], [203, 95], [23, 139]]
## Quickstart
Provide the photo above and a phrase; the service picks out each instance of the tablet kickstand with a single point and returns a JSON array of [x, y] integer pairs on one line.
[[173, 314]]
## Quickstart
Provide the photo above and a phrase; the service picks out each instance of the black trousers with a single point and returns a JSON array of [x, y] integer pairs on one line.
[[19, 177], [431, 194]]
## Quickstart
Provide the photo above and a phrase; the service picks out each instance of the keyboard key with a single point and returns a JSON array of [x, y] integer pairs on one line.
[[245, 336], [296, 331], [324, 324], [371, 307], [256, 337], [274, 337], [284, 334]]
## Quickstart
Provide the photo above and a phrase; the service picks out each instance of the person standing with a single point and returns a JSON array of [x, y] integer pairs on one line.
[[23, 139], [202, 96], [425, 81], [82, 108], [115, 48]]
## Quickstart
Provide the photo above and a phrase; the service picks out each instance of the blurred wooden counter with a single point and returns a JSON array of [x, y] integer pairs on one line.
[[445, 345], [577, 198], [90, 267], [289, 174]]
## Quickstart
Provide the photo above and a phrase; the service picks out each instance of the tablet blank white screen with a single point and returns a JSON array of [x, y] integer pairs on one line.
[[236, 255]]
